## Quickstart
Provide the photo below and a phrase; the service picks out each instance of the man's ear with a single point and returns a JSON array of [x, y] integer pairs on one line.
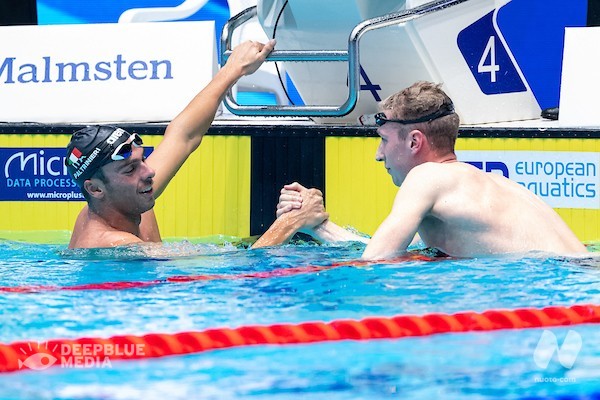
[[94, 187], [417, 140]]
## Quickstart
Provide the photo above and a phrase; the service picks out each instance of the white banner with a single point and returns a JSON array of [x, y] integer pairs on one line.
[[103, 72], [580, 80], [561, 179]]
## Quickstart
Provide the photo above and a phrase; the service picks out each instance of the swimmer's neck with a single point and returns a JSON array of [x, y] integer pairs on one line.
[[129, 223], [443, 158]]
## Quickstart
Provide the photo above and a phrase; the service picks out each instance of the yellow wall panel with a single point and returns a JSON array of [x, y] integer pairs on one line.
[[359, 191], [211, 193]]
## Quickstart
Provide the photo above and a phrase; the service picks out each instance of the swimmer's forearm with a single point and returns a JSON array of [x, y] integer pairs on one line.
[[196, 118], [184, 134], [330, 232], [280, 232]]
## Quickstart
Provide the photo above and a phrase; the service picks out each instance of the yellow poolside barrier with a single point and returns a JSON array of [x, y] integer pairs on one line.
[[211, 194]]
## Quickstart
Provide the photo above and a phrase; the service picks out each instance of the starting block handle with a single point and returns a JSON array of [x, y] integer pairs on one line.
[[351, 56]]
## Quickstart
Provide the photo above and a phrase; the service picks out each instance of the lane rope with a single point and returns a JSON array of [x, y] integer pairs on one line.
[[209, 277], [30, 355]]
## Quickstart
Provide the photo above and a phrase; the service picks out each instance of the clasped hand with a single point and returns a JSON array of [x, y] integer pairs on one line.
[[304, 204]]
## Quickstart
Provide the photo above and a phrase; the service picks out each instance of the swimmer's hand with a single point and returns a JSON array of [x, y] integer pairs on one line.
[[302, 204], [302, 218], [295, 198], [248, 56], [290, 198]]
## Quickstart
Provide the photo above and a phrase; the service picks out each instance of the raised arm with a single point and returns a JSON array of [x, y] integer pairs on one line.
[[185, 132]]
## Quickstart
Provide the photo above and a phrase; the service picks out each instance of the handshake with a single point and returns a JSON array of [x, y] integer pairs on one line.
[[301, 210], [301, 207]]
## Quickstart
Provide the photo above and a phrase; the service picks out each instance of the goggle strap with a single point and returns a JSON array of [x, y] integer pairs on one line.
[[442, 112]]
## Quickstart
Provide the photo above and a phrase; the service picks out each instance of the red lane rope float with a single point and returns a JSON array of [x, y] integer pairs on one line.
[[193, 278], [15, 356]]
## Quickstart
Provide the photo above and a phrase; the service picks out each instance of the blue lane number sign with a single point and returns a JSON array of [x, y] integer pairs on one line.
[[487, 58]]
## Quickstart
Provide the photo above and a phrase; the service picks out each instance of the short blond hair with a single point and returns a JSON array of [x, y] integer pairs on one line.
[[420, 99]]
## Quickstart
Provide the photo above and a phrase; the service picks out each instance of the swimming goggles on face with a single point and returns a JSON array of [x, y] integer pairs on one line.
[[447, 109], [124, 150]]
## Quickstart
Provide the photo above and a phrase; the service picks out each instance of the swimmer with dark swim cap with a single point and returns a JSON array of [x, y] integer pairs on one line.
[[92, 147], [121, 185]]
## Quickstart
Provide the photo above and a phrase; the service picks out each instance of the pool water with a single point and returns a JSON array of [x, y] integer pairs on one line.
[[497, 364]]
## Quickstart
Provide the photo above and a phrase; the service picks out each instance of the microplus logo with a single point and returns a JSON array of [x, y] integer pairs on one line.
[[36, 174], [37, 162], [548, 345], [47, 70]]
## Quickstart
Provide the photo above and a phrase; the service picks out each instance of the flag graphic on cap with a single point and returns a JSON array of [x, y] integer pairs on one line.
[[75, 156]]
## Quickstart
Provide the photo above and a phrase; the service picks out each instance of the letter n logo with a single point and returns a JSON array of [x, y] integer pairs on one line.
[[548, 344]]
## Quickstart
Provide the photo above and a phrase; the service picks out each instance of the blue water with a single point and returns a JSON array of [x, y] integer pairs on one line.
[[473, 365]]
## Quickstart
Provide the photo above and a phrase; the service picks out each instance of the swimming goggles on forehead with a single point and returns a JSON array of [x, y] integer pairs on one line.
[[447, 109], [124, 150]]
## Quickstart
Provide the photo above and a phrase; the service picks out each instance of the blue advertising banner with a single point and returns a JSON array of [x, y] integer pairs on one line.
[[38, 174], [102, 11]]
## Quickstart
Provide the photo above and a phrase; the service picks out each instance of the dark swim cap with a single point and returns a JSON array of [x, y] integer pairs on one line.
[[90, 148]]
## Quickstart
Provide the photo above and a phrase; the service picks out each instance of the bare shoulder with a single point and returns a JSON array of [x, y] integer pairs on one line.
[[118, 238], [96, 238], [426, 182], [438, 174], [91, 233]]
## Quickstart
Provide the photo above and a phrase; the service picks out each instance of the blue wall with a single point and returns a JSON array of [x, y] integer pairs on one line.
[[534, 31]]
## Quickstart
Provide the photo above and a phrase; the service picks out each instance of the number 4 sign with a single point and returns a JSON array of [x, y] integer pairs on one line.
[[492, 67], [488, 59]]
